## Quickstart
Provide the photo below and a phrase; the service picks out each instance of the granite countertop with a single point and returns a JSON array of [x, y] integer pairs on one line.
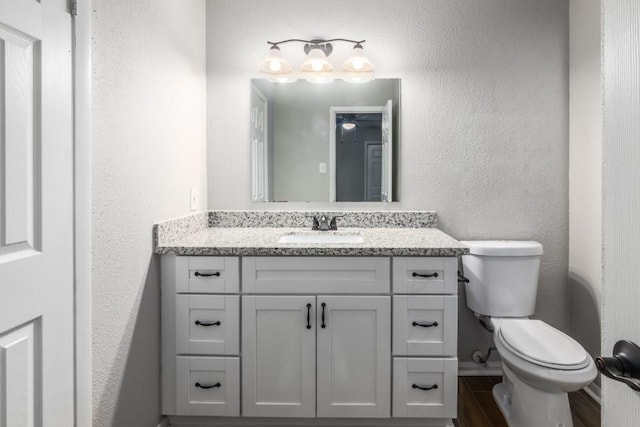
[[263, 241]]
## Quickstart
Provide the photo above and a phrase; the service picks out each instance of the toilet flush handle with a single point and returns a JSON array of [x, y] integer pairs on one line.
[[624, 366]]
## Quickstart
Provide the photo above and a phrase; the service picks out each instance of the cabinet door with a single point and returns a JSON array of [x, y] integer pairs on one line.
[[354, 356], [279, 356]]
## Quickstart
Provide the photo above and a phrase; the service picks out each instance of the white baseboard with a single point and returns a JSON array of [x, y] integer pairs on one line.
[[473, 369], [593, 390], [164, 422]]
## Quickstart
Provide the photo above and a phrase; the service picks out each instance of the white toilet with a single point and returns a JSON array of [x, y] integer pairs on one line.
[[540, 364]]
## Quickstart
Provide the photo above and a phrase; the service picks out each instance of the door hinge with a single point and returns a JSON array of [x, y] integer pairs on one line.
[[74, 8]]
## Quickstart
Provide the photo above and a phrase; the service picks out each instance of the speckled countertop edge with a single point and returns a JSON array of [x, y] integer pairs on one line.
[[176, 228], [263, 241]]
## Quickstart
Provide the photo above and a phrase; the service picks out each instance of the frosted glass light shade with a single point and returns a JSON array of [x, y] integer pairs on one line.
[[316, 61], [283, 78], [319, 77], [274, 63], [361, 77], [357, 62]]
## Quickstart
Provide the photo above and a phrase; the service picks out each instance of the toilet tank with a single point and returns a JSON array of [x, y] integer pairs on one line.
[[503, 277]]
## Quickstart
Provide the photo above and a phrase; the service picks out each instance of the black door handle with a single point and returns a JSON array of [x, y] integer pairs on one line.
[[624, 366], [199, 323], [206, 387], [308, 316], [425, 325], [323, 325], [433, 387], [424, 275], [198, 274]]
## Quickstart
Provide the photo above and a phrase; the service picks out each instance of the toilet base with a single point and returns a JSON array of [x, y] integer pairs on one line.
[[525, 406]]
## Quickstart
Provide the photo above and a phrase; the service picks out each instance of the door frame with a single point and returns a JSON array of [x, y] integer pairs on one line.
[[81, 33], [333, 111]]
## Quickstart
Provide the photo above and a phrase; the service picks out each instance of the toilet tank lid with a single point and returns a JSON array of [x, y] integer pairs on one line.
[[504, 247]]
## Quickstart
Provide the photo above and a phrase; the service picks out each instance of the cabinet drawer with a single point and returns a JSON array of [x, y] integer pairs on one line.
[[425, 325], [423, 275], [310, 275], [207, 275], [207, 324], [208, 386], [425, 388]]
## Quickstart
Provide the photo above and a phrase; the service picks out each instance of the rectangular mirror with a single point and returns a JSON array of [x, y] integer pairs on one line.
[[332, 142]]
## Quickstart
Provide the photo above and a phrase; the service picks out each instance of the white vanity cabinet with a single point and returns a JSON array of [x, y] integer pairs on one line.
[[306, 337]]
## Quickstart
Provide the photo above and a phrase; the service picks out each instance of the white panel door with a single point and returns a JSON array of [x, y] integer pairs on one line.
[[621, 205], [279, 356], [36, 214], [354, 356]]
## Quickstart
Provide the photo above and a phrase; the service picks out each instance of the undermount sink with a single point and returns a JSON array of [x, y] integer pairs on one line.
[[317, 237]]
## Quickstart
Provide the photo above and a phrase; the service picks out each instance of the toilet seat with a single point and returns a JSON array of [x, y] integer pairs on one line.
[[541, 344]]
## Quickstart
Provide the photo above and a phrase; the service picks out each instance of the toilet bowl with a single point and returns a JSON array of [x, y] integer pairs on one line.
[[540, 364]]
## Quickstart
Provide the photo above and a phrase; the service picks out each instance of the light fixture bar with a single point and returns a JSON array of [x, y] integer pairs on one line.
[[317, 41]]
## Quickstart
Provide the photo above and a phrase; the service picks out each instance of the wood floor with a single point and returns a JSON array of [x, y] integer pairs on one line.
[[476, 407]]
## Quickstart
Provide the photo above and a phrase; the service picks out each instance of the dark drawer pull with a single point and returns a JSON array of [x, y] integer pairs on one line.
[[323, 325], [308, 316], [424, 275], [433, 387], [425, 325], [198, 274], [207, 387], [199, 323]]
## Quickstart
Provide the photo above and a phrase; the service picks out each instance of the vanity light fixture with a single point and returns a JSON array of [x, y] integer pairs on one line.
[[316, 68]]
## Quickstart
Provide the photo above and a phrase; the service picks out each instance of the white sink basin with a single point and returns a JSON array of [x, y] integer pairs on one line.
[[321, 238]]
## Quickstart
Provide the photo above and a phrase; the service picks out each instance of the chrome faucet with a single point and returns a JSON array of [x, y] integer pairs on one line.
[[324, 224]]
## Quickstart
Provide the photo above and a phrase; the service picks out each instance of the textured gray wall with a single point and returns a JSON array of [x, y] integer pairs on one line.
[[148, 150], [484, 132]]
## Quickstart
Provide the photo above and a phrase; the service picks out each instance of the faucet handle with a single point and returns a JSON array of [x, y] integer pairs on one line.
[[333, 225], [316, 223]]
